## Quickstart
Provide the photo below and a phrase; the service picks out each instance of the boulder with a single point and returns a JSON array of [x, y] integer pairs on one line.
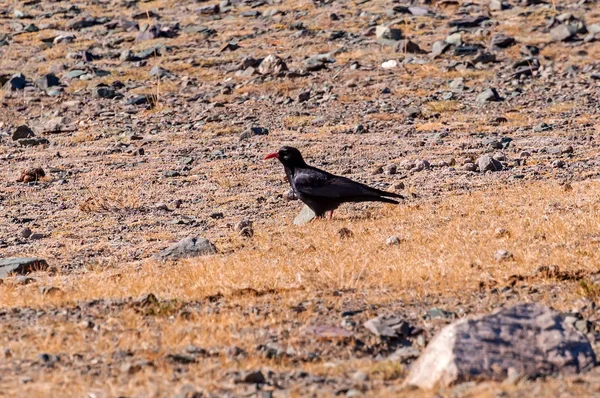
[[530, 339], [21, 265]]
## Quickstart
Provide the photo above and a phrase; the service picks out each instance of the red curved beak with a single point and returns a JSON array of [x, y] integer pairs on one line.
[[272, 155]]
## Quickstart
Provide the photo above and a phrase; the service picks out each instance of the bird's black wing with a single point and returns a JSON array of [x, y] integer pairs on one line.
[[315, 182]]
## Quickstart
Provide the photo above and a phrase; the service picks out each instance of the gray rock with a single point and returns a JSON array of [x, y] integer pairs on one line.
[[563, 32], [105, 92], [404, 354], [187, 248], [413, 112], [21, 265], [16, 82], [160, 72], [503, 255], [253, 378], [498, 5], [488, 95], [33, 141], [47, 81], [272, 64], [385, 32], [253, 131], [76, 73], [392, 241], [531, 338], [488, 163], [454, 39], [49, 290], [63, 39], [385, 326], [542, 127], [438, 313], [21, 132], [558, 164], [439, 47], [305, 216], [408, 46], [500, 40], [422, 165]]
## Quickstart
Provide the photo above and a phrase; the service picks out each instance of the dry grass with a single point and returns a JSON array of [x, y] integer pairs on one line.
[[447, 246]]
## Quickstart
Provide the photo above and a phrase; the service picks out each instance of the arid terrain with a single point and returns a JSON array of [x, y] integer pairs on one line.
[[127, 126]]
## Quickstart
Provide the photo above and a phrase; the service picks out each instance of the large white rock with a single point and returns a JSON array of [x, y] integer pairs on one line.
[[529, 339]]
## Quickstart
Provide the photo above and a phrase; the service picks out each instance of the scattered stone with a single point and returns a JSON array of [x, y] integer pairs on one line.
[[244, 228], [271, 65], [253, 131], [488, 163], [389, 64], [21, 265], [361, 129], [26, 232], [304, 96], [33, 141], [469, 166], [388, 326], [31, 175], [256, 377], [345, 233], [422, 165], [499, 5], [408, 47], [64, 39], [160, 72], [21, 132], [488, 95], [501, 40], [529, 337], [385, 32], [103, 91], [563, 32], [390, 169], [392, 241], [454, 39], [503, 255], [404, 354], [469, 21], [558, 164], [542, 127], [305, 216], [439, 47], [47, 81], [49, 290], [501, 233], [16, 82], [438, 313], [187, 248]]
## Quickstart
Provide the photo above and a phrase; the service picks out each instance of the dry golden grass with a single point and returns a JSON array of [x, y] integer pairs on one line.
[[447, 246]]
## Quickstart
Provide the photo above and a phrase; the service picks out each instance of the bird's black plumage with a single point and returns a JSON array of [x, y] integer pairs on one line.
[[323, 191]]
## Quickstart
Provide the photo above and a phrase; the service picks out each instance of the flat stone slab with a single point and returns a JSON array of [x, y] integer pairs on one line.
[[21, 265], [305, 216], [187, 248]]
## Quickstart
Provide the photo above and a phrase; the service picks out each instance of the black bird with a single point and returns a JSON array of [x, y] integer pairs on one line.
[[322, 191]]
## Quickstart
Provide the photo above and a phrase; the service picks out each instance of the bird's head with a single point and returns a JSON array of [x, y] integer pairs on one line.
[[288, 156]]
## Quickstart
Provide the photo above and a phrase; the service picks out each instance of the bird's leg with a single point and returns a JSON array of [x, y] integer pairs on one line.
[[330, 214]]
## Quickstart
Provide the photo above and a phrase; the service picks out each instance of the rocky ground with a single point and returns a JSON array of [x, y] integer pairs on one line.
[[126, 126]]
